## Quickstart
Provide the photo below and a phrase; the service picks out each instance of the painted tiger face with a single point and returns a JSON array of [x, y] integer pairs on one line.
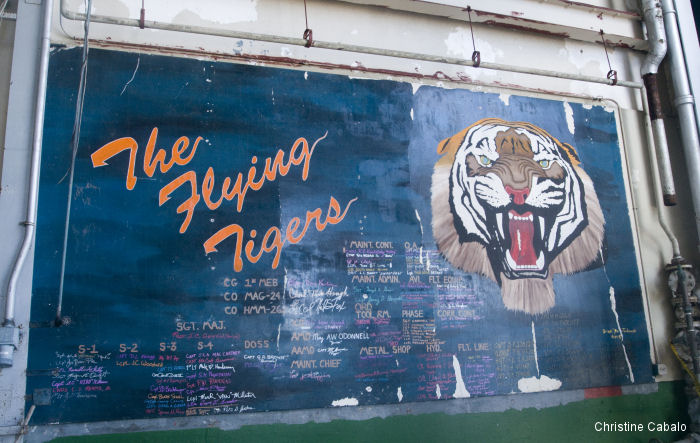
[[512, 203]]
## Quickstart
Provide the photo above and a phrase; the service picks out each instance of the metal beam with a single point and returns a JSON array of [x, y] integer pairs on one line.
[[337, 46], [558, 18]]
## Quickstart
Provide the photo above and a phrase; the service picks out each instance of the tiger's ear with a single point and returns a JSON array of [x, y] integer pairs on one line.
[[570, 152], [451, 144], [448, 147]]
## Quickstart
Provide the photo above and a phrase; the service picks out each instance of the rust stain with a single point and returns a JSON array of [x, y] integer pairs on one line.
[[288, 61], [526, 29], [600, 8], [545, 91], [516, 13]]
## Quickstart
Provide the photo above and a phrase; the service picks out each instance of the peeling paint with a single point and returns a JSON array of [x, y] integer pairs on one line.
[[569, 117], [534, 348], [138, 62], [279, 330], [347, 401], [538, 384], [458, 43], [236, 12], [460, 388], [415, 87], [437, 391], [399, 394], [613, 306], [368, 388], [505, 98], [411, 113], [420, 222]]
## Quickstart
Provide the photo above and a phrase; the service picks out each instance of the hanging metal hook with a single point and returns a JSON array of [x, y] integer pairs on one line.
[[612, 74], [476, 55], [308, 33]]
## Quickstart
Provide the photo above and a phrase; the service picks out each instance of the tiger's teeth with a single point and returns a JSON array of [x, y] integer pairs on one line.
[[541, 227], [540, 260], [511, 262], [537, 266], [499, 222], [519, 217]]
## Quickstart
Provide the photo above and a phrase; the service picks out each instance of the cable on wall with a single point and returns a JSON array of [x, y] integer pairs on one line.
[[58, 321], [612, 74], [476, 55]]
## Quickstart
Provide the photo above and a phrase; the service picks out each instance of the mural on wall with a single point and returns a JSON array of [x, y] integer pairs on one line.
[[512, 203], [246, 238]]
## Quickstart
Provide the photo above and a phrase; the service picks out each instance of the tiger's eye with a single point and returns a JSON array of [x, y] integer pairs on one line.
[[484, 160], [544, 163]]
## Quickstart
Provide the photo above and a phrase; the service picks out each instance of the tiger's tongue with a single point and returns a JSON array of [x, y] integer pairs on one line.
[[521, 232]]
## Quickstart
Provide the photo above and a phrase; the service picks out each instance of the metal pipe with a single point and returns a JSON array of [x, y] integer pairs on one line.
[[655, 179], [7, 351], [152, 24], [684, 103], [690, 331], [654, 21]]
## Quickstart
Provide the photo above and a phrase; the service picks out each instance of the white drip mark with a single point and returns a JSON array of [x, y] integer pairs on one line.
[[437, 391], [460, 388], [569, 117], [347, 401], [613, 306], [420, 256], [284, 285], [411, 113], [279, 329], [541, 382], [399, 394], [420, 222], [534, 347], [138, 61]]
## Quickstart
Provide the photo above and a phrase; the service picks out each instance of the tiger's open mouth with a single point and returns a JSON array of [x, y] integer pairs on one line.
[[522, 255]]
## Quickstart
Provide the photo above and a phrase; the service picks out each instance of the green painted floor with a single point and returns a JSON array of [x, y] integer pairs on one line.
[[574, 422]]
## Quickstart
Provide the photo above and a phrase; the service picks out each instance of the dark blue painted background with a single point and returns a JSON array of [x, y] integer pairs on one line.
[[130, 275]]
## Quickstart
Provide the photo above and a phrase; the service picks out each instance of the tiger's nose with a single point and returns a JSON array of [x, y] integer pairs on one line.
[[518, 195]]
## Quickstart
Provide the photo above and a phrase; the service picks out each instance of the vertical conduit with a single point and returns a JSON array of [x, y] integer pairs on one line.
[[653, 18], [6, 349], [684, 103]]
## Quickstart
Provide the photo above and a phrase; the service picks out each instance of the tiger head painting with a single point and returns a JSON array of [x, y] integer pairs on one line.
[[512, 203]]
